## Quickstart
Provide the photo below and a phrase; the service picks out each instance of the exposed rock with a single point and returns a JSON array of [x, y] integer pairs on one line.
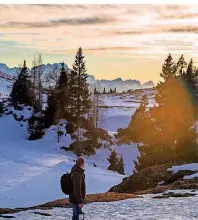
[[179, 175], [6, 216], [43, 214], [147, 181], [182, 185], [144, 179]]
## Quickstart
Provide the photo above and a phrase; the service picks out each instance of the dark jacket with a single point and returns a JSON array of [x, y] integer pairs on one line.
[[79, 186]]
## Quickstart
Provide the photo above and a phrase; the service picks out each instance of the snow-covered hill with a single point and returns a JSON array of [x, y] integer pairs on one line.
[[31, 170], [27, 167]]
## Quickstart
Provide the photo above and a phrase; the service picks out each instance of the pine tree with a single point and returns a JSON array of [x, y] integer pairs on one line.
[[113, 160], [79, 99], [51, 109], [36, 126], [190, 75], [181, 66], [104, 91], [114, 90], [22, 88], [79, 102], [111, 91], [172, 137], [138, 126], [120, 165], [91, 143], [169, 68], [95, 91]]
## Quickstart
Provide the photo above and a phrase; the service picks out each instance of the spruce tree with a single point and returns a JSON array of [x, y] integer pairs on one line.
[[172, 137], [22, 88], [104, 91], [181, 66], [120, 166], [169, 68], [91, 143], [190, 75], [36, 126], [95, 91], [79, 101], [137, 130], [113, 161]]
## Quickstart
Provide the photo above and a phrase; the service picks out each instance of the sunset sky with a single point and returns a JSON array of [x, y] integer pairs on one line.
[[128, 41]]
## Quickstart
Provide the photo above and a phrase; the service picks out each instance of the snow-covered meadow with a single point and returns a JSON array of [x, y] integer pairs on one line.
[[31, 170]]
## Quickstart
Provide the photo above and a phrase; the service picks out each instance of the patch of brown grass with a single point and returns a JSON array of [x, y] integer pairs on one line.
[[103, 197]]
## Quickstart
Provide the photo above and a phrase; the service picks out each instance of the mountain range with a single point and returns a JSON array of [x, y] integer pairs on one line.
[[120, 84]]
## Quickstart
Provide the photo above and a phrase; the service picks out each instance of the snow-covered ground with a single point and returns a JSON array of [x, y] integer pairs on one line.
[[31, 170], [120, 108], [189, 166], [145, 208], [188, 177]]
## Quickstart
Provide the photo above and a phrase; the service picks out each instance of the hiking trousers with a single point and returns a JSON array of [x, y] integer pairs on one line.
[[76, 211]]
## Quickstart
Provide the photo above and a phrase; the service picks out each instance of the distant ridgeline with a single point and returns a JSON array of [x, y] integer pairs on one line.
[[120, 85]]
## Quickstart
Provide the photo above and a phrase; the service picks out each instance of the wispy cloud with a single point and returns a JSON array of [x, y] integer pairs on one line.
[[154, 29], [60, 22], [135, 32], [185, 29]]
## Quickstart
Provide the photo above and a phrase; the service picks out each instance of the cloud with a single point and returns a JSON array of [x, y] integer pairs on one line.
[[60, 22], [76, 6], [188, 29], [185, 15], [154, 29], [110, 48]]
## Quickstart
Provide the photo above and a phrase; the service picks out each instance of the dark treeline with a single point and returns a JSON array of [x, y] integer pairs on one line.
[[68, 99], [111, 91], [166, 132]]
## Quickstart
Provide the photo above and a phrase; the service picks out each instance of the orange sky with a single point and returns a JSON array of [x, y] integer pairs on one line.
[[128, 41]]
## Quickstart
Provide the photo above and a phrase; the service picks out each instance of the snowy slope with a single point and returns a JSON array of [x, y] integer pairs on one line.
[[27, 167], [145, 208], [189, 166], [118, 109], [5, 86], [30, 170]]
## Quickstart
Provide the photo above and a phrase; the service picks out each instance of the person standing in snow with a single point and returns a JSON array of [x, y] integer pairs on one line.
[[77, 197]]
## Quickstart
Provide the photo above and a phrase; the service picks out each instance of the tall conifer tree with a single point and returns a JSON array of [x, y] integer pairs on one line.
[[22, 88]]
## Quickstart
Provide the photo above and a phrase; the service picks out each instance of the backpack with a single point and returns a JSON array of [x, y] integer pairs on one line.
[[66, 184]]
